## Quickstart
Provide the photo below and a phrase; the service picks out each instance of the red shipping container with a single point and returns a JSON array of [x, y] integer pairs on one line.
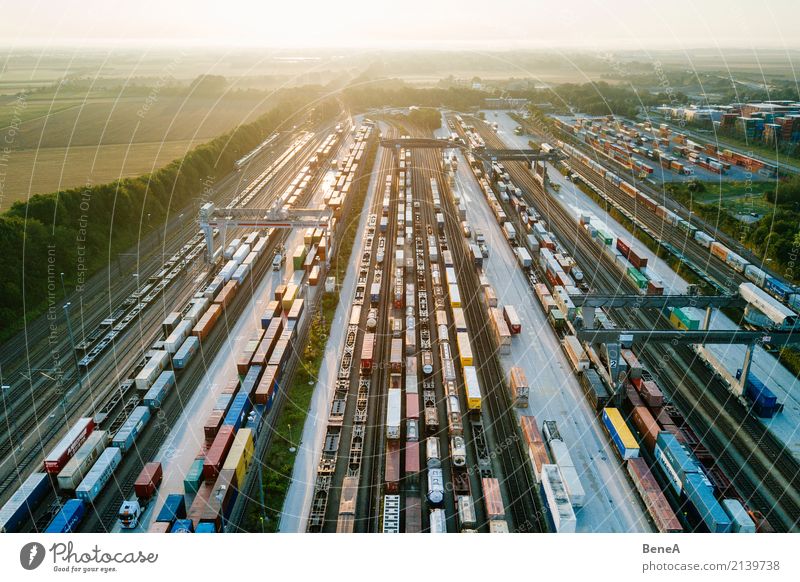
[[392, 469], [201, 501], [412, 406], [231, 387], [412, 458], [213, 422], [148, 480], [218, 451]]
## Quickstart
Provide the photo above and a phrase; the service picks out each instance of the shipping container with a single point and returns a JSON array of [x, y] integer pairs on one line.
[[174, 508], [464, 349], [185, 353], [537, 451], [218, 451], [512, 319], [492, 498], [674, 460], [708, 509], [207, 322], [159, 390], [99, 474], [741, 522], [151, 370], [129, 431], [575, 353], [594, 388], [520, 388], [393, 413], [23, 502], [193, 478], [240, 454], [473, 388], [558, 504], [620, 434], [654, 501], [392, 466], [75, 470], [69, 444], [68, 518], [148, 480], [646, 425]]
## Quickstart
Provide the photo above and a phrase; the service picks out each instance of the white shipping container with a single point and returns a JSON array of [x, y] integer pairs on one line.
[[558, 500], [393, 416], [175, 339], [75, 470], [99, 474], [151, 369]]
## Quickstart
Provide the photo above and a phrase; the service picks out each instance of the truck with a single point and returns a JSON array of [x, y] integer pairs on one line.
[[393, 416], [144, 487]]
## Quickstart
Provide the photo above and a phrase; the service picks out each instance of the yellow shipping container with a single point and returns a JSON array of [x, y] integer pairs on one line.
[[241, 455]]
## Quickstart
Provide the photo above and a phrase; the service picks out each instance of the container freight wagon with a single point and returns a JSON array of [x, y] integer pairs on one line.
[[68, 445], [68, 518], [472, 387], [492, 499], [654, 500], [620, 434], [765, 403], [393, 413], [512, 319], [151, 370], [129, 431], [575, 352], [392, 468], [99, 474], [675, 462], [218, 452], [560, 511], [701, 494], [185, 353], [537, 450], [75, 470], [21, 505], [159, 390], [594, 389]]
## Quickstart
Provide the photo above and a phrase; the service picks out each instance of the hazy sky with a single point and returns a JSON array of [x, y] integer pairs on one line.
[[582, 24]]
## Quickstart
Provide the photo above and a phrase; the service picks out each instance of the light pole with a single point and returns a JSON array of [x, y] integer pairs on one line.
[[71, 338]]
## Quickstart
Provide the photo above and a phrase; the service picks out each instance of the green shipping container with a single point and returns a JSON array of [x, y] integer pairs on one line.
[[606, 238], [299, 257], [682, 321], [191, 483], [557, 319], [637, 277]]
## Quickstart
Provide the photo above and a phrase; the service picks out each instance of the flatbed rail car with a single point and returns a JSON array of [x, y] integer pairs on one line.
[[347, 505]]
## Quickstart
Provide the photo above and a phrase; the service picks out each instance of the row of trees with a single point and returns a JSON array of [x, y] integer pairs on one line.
[[79, 231]]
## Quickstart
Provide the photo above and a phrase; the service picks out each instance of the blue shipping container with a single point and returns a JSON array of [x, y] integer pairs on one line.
[[68, 518], [185, 352], [130, 430], [22, 503], [700, 492], [675, 461], [777, 288], [158, 391], [251, 379], [765, 403], [205, 527], [182, 526], [238, 410], [174, 508]]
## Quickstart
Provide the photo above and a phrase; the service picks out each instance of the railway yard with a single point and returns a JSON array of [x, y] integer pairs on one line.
[[460, 388]]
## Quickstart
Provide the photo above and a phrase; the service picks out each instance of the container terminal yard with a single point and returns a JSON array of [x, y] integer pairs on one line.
[[505, 355]]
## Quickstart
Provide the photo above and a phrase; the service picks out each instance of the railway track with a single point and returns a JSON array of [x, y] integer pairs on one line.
[[747, 452]]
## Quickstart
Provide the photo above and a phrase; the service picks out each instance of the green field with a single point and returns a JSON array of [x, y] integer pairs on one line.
[[737, 197]]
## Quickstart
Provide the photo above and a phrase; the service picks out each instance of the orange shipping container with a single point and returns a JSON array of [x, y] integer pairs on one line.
[[243, 362], [492, 498], [536, 447], [720, 251], [646, 425], [227, 294], [267, 385], [206, 323]]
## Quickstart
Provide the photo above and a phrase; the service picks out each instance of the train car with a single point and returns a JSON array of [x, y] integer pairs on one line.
[[347, 505], [560, 511], [159, 390], [779, 317], [765, 403], [741, 522], [467, 517], [390, 522], [264, 394], [537, 451], [646, 425], [492, 498], [393, 413], [654, 500], [435, 493], [594, 388], [413, 514], [75, 470], [518, 384], [675, 462], [238, 411], [129, 431], [240, 455], [68, 518], [700, 493], [23, 502], [99, 474], [69, 444], [217, 452], [185, 353], [620, 434], [154, 366], [392, 466], [412, 461], [438, 521], [207, 321], [472, 387], [454, 422]]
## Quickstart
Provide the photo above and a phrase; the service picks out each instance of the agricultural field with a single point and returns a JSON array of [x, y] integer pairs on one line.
[[739, 198]]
